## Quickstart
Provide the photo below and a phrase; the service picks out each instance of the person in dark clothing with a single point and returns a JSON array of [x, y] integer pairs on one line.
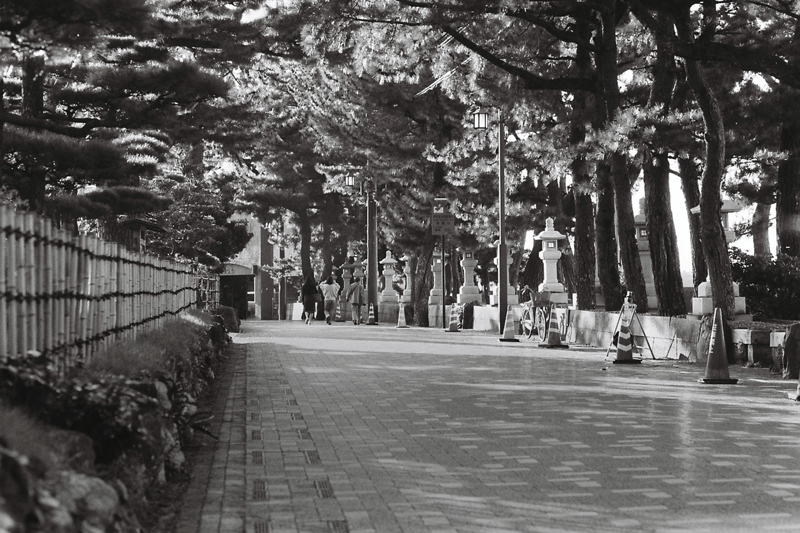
[[309, 292]]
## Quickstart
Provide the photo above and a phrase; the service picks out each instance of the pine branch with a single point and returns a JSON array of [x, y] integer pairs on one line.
[[531, 80]]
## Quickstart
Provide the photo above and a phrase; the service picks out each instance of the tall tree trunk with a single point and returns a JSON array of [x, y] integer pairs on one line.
[[715, 247], [626, 231], [618, 162], [423, 279], [33, 186], [32, 85], [304, 228], [689, 170], [325, 248], [690, 178], [661, 235], [607, 262], [662, 238], [585, 258], [787, 208], [760, 230], [193, 162]]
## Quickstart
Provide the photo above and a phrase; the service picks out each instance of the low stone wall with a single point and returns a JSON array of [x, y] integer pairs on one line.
[[671, 338]]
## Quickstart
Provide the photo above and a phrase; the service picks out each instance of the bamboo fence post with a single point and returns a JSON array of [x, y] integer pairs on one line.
[[96, 289], [61, 289], [82, 279], [113, 289], [130, 288], [137, 302], [5, 241], [46, 283], [22, 286], [30, 282], [11, 284]]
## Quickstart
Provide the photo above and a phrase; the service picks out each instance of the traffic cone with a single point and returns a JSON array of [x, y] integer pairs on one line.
[[371, 318], [553, 333], [452, 327], [717, 364], [625, 342], [510, 327], [401, 317]]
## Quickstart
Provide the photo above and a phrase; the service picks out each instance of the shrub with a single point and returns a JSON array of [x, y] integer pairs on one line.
[[230, 317], [154, 353], [770, 286]]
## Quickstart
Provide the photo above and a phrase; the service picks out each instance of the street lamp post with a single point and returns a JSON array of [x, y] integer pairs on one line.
[[372, 244], [481, 120]]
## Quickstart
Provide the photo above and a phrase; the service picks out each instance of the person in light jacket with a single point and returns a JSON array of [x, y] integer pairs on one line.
[[330, 292], [355, 295]]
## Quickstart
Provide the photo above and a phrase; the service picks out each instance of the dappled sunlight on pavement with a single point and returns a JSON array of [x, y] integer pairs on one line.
[[375, 429]]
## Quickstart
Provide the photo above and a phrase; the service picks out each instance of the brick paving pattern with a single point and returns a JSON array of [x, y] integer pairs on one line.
[[373, 429]]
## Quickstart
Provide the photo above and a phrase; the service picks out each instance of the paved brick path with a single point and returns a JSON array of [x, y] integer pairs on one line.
[[375, 429]]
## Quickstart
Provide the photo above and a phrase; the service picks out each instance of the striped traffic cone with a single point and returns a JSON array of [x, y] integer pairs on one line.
[[401, 317], [371, 318], [717, 364], [553, 333], [510, 327], [452, 327], [625, 342]]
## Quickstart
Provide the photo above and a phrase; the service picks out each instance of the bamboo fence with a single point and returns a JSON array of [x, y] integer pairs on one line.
[[68, 297]]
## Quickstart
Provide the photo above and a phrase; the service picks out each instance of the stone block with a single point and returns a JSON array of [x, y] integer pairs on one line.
[[702, 306]]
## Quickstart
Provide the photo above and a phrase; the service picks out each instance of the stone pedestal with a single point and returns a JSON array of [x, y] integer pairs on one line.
[[511, 293], [703, 303], [437, 294], [469, 291]]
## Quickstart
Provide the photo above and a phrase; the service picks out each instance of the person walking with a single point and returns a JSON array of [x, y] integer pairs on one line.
[[310, 294], [330, 291], [355, 295]]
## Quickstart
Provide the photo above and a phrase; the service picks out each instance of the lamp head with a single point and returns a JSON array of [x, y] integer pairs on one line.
[[480, 119]]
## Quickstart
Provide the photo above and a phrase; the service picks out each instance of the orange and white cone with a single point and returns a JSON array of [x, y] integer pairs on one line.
[[371, 318], [510, 327], [553, 339], [401, 317], [717, 364], [625, 342], [452, 326]]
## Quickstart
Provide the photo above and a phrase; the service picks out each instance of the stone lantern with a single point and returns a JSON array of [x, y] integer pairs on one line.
[[469, 291], [405, 298], [703, 303], [388, 295], [347, 274], [550, 255], [511, 293]]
